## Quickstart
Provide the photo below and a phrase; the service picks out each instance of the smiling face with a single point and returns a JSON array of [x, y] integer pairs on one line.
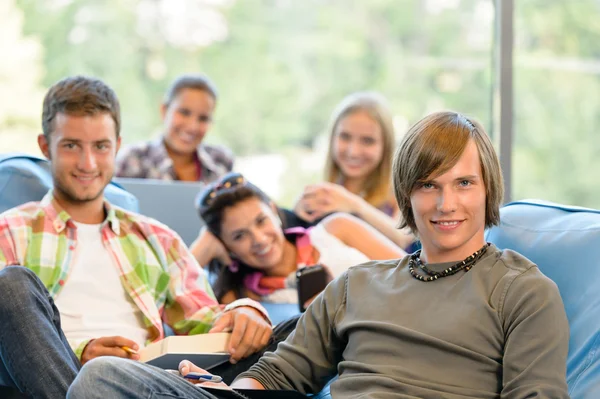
[[187, 119], [82, 152], [450, 210], [252, 232], [357, 145]]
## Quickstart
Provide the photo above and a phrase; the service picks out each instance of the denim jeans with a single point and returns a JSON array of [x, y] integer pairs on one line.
[[111, 377], [36, 357], [115, 377]]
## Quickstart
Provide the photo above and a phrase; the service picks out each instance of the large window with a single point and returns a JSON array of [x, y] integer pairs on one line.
[[556, 153], [282, 65]]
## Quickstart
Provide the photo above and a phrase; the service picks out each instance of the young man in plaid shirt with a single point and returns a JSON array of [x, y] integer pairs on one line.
[[81, 278]]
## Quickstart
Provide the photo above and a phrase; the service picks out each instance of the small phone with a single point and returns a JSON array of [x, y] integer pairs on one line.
[[310, 281]]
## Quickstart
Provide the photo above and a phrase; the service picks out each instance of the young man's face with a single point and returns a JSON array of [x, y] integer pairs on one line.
[[82, 152], [449, 210]]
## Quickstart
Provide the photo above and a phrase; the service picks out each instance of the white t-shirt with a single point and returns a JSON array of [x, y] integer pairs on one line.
[[334, 253], [93, 302]]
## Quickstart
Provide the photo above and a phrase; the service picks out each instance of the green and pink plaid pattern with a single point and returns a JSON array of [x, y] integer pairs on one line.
[[156, 268]]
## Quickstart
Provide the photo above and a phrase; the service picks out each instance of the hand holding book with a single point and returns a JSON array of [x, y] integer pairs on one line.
[[207, 350], [250, 331]]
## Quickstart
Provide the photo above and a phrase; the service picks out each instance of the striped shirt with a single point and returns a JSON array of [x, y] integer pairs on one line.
[[155, 267]]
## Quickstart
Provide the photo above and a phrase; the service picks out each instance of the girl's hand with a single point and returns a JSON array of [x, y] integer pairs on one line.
[[219, 250], [318, 200]]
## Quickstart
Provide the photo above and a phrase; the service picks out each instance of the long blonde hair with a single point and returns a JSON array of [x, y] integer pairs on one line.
[[378, 187]]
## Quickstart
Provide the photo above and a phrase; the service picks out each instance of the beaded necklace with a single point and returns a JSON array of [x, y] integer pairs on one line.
[[466, 265]]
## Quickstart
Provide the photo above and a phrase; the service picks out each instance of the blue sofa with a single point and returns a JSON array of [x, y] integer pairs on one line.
[[564, 241]]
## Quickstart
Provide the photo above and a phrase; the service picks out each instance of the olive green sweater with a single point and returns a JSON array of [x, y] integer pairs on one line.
[[499, 330]]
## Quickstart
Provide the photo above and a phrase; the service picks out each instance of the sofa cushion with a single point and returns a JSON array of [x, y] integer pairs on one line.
[[564, 241]]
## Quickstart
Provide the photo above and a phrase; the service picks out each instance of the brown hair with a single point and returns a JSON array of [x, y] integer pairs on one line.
[[431, 147], [226, 192], [79, 96], [378, 186], [190, 81]]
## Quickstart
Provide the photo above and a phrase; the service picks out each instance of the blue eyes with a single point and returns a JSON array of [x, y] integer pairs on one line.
[[462, 184]]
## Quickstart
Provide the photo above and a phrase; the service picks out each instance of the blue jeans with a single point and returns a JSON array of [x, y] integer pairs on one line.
[[35, 356], [115, 377]]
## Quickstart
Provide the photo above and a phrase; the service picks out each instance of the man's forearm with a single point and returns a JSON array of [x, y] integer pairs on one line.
[[247, 383]]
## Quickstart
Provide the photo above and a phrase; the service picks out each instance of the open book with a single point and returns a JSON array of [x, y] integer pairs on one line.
[[204, 350]]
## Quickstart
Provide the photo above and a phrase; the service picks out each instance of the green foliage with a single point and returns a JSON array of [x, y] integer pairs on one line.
[[281, 68], [557, 98], [282, 65]]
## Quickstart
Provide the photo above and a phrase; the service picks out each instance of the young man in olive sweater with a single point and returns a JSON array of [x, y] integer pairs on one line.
[[458, 319]]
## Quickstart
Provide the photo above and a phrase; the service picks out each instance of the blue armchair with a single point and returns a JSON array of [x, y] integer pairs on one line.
[[564, 241]]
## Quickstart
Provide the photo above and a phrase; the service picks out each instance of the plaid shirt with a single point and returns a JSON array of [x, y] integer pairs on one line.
[[157, 270], [150, 160]]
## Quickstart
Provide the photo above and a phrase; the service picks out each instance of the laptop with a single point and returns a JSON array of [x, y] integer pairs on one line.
[[169, 202]]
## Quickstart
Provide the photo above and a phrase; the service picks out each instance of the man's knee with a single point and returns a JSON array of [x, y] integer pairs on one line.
[[95, 375], [19, 284], [16, 276]]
